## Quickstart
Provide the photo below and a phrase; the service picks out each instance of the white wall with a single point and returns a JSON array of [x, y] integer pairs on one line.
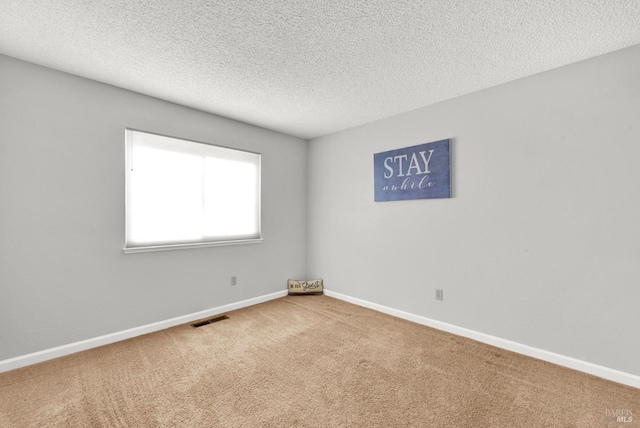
[[540, 243], [63, 276]]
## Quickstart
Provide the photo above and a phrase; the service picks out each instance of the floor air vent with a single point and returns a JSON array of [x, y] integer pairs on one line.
[[210, 321]]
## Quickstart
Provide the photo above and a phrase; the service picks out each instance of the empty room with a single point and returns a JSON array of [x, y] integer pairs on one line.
[[319, 213]]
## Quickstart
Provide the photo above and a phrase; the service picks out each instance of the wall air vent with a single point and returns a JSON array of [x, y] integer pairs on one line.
[[209, 321]]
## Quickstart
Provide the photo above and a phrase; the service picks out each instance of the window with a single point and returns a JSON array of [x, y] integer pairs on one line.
[[182, 194]]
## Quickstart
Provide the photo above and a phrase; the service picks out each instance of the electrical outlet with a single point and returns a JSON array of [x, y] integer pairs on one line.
[[234, 280], [439, 294]]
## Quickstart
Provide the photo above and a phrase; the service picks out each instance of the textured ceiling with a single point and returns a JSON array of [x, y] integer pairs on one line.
[[310, 68]]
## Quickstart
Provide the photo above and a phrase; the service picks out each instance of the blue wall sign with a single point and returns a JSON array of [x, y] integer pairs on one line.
[[418, 172]]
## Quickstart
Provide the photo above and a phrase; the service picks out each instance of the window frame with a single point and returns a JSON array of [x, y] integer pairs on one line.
[[129, 248]]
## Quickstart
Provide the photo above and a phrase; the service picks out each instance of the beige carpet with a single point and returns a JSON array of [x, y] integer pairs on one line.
[[306, 361]]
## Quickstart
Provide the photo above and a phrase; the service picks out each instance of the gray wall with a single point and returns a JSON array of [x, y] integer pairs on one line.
[[540, 243], [63, 276]]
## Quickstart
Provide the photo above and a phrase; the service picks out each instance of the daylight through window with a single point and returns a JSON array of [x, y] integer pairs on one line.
[[183, 193]]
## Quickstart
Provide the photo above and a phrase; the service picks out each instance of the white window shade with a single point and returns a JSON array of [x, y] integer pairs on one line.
[[183, 193]]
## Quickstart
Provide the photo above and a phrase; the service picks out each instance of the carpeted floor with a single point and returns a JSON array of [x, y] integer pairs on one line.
[[306, 361]]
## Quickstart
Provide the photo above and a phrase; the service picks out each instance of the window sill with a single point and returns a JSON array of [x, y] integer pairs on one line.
[[168, 247]]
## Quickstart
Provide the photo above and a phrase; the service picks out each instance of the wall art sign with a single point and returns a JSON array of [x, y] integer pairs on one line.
[[417, 172]]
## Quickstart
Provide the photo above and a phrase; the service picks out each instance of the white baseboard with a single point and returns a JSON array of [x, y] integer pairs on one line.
[[561, 360], [48, 354]]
